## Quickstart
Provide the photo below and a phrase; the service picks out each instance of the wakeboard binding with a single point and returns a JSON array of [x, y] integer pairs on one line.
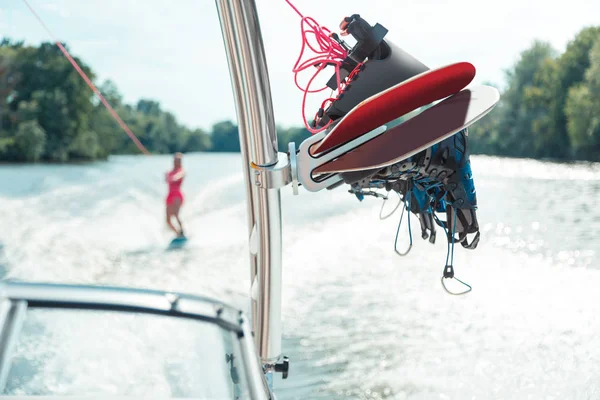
[[373, 65], [437, 181]]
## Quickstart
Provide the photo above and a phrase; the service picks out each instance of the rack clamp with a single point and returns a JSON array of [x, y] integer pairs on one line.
[[304, 160], [297, 166], [272, 176]]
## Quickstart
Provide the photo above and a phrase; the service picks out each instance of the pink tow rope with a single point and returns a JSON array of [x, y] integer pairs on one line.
[[87, 80]]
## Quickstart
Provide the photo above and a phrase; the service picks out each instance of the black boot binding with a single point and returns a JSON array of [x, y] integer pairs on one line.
[[437, 180], [377, 65]]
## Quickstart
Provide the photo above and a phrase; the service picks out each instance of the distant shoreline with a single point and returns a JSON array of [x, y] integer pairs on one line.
[[107, 159]]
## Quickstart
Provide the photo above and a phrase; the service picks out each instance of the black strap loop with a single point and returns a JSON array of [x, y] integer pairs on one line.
[[471, 246]]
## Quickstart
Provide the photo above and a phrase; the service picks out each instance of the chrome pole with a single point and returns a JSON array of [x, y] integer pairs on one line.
[[258, 142]]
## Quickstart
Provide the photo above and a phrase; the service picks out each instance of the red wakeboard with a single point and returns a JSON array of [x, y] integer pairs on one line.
[[397, 101], [418, 133]]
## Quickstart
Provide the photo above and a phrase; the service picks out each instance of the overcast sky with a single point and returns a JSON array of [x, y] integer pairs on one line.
[[172, 51]]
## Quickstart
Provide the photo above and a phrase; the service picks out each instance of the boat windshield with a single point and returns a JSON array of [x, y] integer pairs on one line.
[[64, 352]]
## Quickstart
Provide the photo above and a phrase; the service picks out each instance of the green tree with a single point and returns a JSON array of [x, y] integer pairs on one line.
[[225, 137], [485, 136], [6, 143], [29, 142], [516, 114], [149, 107], [109, 134], [47, 78], [85, 146], [54, 118], [198, 140], [555, 80], [583, 110], [8, 79]]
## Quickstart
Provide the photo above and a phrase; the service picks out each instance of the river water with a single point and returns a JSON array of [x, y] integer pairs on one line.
[[359, 321]]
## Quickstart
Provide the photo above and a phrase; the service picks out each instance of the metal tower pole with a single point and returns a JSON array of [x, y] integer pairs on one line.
[[258, 142]]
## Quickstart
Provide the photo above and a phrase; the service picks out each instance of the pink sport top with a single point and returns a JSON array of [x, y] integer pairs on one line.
[[174, 186]]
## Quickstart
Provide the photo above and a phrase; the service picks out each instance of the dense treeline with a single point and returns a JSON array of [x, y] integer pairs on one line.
[[47, 112], [550, 108], [551, 105]]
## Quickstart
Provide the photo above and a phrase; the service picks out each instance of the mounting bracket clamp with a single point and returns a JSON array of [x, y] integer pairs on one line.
[[273, 176], [303, 162]]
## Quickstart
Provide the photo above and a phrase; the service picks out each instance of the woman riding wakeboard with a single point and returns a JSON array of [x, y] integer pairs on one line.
[[174, 200]]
